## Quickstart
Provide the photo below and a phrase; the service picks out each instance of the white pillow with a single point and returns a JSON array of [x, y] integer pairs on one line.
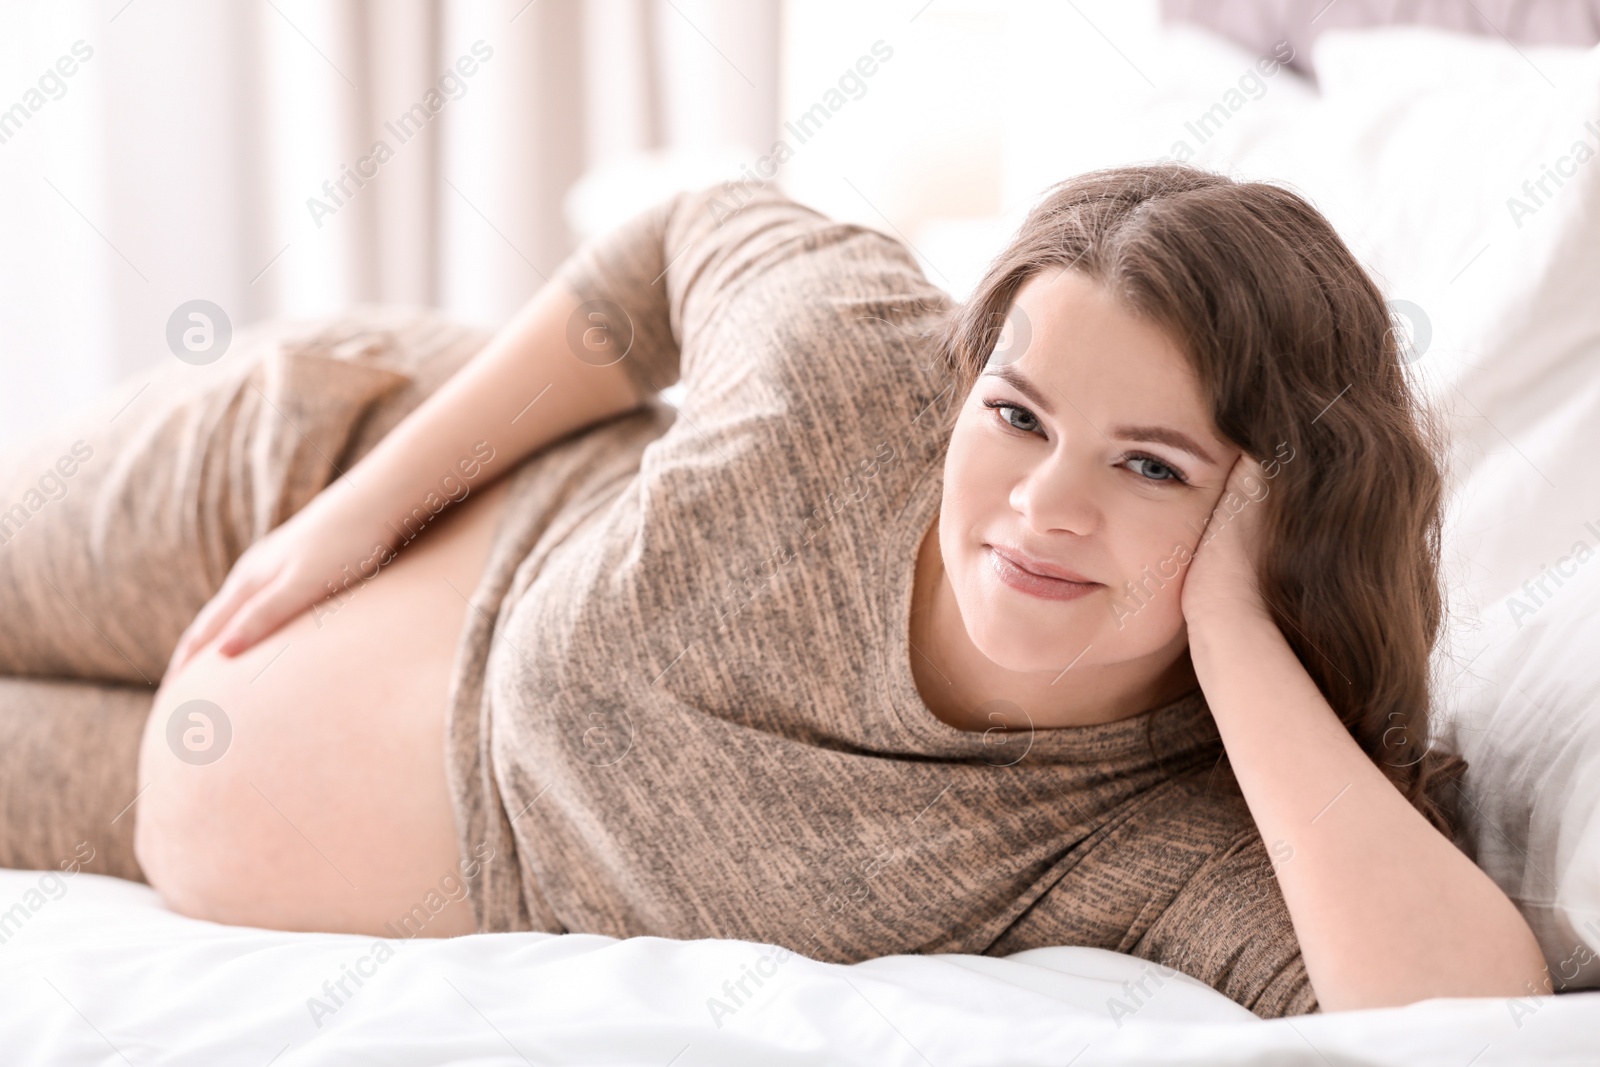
[[1519, 697], [1421, 142], [1427, 151], [1518, 675], [1078, 103]]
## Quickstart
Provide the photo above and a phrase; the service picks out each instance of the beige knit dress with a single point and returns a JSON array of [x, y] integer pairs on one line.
[[685, 706]]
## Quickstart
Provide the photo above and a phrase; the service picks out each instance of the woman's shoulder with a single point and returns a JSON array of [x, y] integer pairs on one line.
[[1180, 877], [1234, 860], [1223, 919], [807, 364], [736, 232], [1167, 835], [833, 298]]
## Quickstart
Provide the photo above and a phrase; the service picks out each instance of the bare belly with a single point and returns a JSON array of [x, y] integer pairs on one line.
[[309, 791]]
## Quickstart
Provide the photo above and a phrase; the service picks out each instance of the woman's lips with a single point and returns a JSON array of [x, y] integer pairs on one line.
[[1025, 581]]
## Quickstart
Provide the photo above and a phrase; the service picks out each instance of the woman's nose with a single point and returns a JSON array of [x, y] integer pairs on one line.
[[1058, 495]]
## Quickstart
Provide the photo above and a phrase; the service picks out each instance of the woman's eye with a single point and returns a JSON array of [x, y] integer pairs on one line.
[[1029, 422], [1024, 421], [1164, 473]]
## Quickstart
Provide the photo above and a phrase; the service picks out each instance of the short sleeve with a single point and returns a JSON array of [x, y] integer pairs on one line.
[[1230, 928], [1181, 878], [672, 269], [668, 267], [617, 277]]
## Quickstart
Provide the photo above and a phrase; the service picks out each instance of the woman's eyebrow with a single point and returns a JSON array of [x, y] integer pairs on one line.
[[1160, 435], [1015, 378]]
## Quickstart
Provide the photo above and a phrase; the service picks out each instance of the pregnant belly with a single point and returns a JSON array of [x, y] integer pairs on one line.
[[301, 785]]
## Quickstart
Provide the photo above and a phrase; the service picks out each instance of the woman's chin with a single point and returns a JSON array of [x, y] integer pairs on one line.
[[1015, 638], [1021, 650]]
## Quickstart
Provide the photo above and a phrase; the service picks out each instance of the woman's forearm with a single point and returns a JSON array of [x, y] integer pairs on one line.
[[524, 389], [1387, 910]]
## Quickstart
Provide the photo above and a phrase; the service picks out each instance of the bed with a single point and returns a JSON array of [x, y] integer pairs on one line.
[[1454, 150], [101, 973]]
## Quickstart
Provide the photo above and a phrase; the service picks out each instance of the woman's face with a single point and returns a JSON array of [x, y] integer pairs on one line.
[[1086, 444]]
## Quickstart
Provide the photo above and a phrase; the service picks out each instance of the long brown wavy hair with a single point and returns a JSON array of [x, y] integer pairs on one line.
[[1293, 342]]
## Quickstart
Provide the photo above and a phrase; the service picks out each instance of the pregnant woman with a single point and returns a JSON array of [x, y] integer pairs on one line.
[[1096, 610]]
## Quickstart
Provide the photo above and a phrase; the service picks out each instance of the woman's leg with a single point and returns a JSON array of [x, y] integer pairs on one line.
[[118, 526], [68, 752]]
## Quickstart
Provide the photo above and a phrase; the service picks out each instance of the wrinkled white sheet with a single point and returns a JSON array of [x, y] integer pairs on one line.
[[95, 970]]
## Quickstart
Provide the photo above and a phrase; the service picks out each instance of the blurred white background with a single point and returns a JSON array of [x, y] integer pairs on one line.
[[184, 157]]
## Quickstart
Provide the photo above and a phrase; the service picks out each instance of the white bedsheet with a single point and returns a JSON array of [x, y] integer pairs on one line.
[[101, 973]]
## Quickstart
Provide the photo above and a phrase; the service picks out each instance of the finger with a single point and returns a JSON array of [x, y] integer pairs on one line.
[[185, 649], [216, 613], [263, 616], [180, 656]]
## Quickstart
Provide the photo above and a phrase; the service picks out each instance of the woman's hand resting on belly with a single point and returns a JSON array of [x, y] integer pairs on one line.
[[322, 549], [477, 426]]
